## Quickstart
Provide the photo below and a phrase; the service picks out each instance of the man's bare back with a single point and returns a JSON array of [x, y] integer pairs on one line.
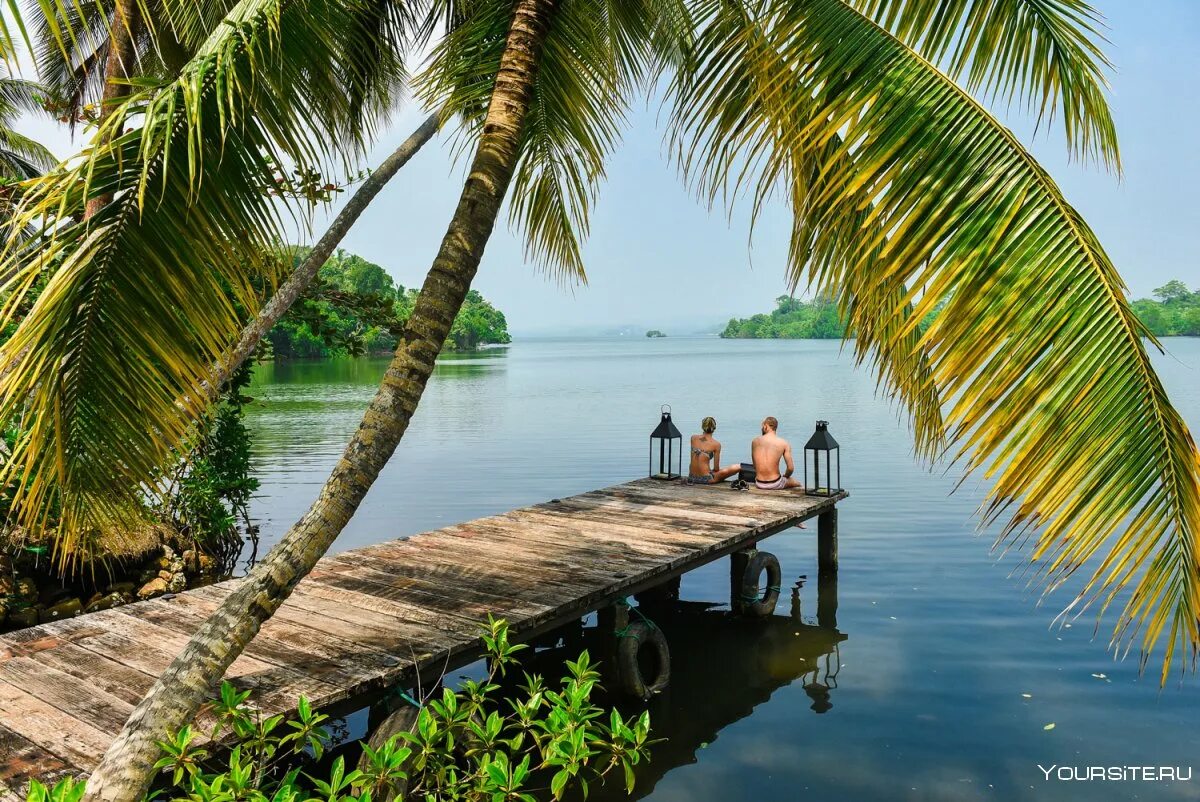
[[766, 451]]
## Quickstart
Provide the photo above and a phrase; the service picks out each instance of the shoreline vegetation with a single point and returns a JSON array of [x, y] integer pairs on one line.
[[791, 319], [197, 533], [355, 308], [1174, 311]]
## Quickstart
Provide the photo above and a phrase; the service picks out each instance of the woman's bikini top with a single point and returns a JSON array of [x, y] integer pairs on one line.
[[699, 451]]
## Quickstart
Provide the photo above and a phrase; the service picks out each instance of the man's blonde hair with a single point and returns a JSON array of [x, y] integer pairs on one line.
[[772, 423], [708, 425]]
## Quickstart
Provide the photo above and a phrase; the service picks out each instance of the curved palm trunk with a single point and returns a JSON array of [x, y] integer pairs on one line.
[[125, 771], [122, 53], [306, 271]]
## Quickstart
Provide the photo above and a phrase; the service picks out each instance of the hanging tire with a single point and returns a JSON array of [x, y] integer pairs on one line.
[[643, 661], [754, 603]]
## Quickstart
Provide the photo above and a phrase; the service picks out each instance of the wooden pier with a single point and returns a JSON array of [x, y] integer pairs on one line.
[[369, 619]]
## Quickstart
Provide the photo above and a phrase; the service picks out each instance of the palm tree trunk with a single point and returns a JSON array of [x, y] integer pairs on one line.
[[122, 53], [302, 276], [125, 771]]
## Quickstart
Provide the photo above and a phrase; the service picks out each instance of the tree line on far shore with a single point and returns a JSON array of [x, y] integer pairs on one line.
[[1174, 311], [791, 319], [354, 308]]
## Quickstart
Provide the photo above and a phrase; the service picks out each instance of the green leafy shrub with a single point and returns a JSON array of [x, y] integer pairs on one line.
[[214, 480], [470, 745]]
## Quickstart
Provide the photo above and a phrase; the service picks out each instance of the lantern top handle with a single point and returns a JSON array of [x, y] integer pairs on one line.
[[665, 409]]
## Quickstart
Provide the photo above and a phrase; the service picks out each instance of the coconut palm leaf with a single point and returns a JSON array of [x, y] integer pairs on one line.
[[900, 179], [598, 53], [1039, 54], [143, 297]]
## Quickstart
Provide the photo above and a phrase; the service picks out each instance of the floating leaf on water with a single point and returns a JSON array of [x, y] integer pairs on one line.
[[1049, 726]]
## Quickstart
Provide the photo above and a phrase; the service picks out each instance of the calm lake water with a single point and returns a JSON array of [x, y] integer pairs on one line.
[[949, 670]]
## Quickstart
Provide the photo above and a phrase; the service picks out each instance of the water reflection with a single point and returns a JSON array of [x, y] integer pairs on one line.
[[723, 666], [484, 360]]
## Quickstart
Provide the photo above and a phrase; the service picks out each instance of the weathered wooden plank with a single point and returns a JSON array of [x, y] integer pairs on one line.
[[756, 503], [112, 677], [568, 532], [454, 627], [662, 516], [461, 578], [77, 698], [24, 760], [417, 586], [148, 647], [278, 684], [662, 537], [563, 565], [335, 661], [476, 587], [44, 725], [366, 636]]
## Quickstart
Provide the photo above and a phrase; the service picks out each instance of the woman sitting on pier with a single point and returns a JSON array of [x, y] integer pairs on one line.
[[705, 467]]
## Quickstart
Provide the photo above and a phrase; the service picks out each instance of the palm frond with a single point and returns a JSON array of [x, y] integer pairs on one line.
[[915, 204], [597, 54], [1040, 54], [106, 370], [22, 157]]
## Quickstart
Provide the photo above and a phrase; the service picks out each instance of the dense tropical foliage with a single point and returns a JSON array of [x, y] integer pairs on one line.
[[1173, 312], [791, 319], [866, 118], [354, 307]]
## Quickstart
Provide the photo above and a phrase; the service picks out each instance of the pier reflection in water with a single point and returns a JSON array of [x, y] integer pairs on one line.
[[723, 666]]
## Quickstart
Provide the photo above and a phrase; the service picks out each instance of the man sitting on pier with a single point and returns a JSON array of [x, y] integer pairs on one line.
[[766, 451]]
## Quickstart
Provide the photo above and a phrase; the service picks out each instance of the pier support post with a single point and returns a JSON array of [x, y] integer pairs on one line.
[[610, 620], [827, 541], [827, 599], [738, 562]]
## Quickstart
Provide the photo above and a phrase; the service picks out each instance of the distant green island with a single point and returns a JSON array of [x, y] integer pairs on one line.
[[792, 319], [354, 308], [1174, 311], [655, 333]]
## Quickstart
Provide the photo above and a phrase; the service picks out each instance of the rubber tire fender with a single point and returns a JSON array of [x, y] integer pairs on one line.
[[753, 604], [637, 636]]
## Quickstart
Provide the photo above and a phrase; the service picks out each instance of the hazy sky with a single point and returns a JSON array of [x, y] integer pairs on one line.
[[657, 259]]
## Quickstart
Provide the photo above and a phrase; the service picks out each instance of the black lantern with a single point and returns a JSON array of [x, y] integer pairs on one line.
[[669, 452], [821, 454]]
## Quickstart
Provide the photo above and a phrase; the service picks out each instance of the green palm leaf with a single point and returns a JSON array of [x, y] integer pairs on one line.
[[597, 54], [1043, 54], [912, 200], [106, 369]]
